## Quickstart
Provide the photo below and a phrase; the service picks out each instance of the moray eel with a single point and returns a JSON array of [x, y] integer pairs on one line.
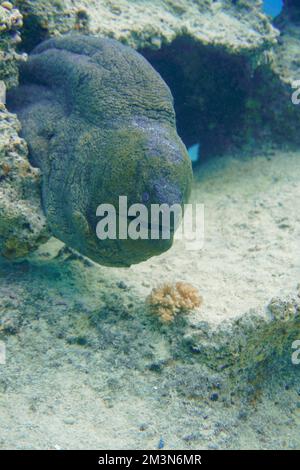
[[99, 122]]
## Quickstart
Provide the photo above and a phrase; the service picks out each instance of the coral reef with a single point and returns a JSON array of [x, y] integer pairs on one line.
[[236, 344], [10, 23], [272, 113], [236, 26], [22, 223], [168, 300]]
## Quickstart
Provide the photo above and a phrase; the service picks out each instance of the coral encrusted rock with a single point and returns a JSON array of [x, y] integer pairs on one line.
[[22, 223]]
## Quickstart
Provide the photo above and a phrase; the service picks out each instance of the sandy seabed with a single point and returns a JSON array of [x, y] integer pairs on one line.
[[88, 367]]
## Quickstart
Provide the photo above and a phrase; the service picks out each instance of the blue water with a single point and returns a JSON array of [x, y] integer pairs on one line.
[[273, 7]]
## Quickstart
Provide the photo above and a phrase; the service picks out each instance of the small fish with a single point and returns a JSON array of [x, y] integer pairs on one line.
[[161, 443]]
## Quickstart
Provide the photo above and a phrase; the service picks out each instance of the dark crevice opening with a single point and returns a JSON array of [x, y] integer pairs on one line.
[[210, 89], [33, 33]]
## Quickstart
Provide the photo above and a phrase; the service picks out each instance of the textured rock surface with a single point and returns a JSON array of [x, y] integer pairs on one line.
[[271, 101], [287, 61], [22, 223], [10, 23], [236, 26]]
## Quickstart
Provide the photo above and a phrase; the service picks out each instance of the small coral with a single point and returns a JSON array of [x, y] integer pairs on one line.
[[168, 300]]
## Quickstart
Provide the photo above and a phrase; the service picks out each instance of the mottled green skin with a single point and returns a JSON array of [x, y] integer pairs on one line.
[[100, 123]]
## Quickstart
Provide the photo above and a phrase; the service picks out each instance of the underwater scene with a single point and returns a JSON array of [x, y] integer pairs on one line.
[[149, 225]]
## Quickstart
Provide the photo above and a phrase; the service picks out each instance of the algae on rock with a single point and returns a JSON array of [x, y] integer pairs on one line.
[[22, 223], [10, 22], [274, 82], [236, 26]]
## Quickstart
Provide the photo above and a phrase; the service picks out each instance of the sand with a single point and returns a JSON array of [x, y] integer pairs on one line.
[[88, 367]]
